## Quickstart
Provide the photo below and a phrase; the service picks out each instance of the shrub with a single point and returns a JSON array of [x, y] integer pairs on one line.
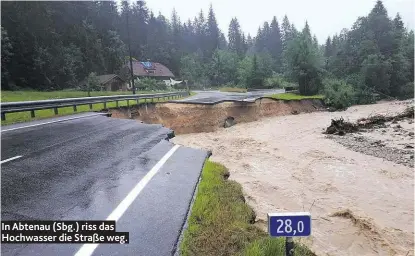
[[149, 84], [275, 81], [364, 95], [91, 84], [338, 94]]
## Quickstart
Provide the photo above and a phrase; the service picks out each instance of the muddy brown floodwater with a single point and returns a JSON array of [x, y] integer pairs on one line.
[[360, 204]]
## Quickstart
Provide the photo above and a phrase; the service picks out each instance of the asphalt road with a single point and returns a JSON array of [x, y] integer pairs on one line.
[[83, 168], [213, 97]]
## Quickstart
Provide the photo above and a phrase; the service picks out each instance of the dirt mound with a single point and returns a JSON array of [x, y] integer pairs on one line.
[[194, 118]]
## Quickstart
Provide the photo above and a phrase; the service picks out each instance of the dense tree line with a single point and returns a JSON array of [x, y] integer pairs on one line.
[[54, 45], [376, 54]]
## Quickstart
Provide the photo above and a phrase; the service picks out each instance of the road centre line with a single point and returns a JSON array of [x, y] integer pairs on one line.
[[88, 249], [10, 159], [51, 122]]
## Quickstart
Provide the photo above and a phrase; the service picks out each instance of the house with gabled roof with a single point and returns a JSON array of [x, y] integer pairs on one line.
[[149, 69], [110, 82]]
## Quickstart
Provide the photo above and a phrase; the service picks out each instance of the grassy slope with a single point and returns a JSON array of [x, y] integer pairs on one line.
[[293, 96], [11, 96], [219, 223]]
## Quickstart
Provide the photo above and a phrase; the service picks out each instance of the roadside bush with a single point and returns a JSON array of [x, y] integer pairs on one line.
[[148, 84], [338, 94], [91, 84], [275, 81]]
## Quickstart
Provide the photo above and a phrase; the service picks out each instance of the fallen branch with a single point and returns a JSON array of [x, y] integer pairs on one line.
[[341, 127]]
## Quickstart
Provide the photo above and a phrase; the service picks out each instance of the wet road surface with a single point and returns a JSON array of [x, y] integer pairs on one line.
[[81, 169], [213, 97]]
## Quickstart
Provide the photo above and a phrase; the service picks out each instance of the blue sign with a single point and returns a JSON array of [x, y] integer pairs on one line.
[[289, 224]]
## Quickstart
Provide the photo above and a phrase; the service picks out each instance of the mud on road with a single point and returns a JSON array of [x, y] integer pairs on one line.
[[361, 204]]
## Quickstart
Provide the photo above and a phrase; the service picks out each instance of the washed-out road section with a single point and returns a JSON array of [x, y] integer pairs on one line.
[[83, 168], [213, 97]]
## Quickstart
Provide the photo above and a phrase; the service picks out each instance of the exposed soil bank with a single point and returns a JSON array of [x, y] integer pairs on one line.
[[194, 118], [360, 204]]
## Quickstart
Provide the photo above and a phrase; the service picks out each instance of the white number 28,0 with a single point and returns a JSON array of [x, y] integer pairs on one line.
[[286, 226]]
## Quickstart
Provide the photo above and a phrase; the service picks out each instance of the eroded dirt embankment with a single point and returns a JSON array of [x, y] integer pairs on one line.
[[194, 118]]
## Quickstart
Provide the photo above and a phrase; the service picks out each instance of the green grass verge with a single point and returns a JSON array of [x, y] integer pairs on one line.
[[232, 89], [220, 221], [11, 96], [293, 96]]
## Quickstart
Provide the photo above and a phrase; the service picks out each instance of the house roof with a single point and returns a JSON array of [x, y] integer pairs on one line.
[[151, 69], [105, 78], [102, 79]]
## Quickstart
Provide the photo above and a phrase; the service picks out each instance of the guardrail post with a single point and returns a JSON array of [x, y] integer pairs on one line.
[[138, 101], [105, 105], [32, 113], [90, 106], [3, 116], [116, 103], [74, 108], [152, 99], [128, 103], [145, 100], [55, 110]]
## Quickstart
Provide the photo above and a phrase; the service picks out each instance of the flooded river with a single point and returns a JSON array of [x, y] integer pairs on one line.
[[360, 204]]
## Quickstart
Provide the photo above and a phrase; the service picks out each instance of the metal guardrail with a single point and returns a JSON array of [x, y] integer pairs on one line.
[[23, 106]]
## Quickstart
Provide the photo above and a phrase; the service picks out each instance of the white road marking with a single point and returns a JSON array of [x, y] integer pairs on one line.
[[88, 249], [10, 159], [51, 122]]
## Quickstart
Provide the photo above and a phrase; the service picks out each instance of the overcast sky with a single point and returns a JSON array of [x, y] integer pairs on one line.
[[325, 17]]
